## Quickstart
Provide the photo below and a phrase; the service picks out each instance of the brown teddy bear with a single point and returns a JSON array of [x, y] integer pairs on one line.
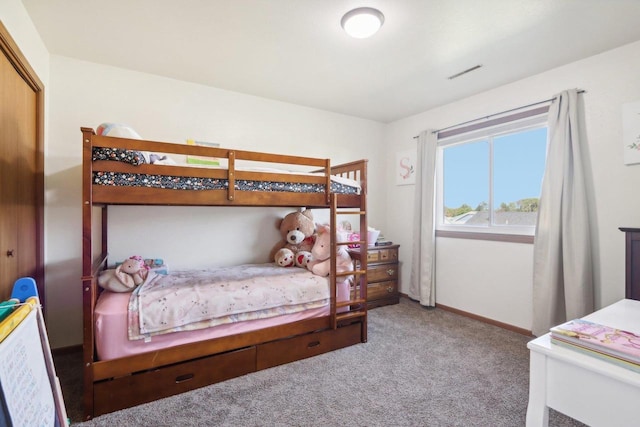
[[298, 233]]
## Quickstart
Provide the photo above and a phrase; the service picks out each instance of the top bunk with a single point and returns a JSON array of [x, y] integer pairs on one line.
[[123, 171]]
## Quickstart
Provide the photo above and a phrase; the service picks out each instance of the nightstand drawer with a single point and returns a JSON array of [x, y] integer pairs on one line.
[[381, 290], [383, 274], [373, 256], [376, 273], [382, 255]]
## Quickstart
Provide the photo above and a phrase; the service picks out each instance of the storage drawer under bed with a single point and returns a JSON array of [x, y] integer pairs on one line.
[[296, 348], [143, 387], [131, 390]]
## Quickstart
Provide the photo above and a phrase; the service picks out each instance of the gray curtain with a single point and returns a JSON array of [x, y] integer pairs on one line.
[[423, 267], [562, 261]]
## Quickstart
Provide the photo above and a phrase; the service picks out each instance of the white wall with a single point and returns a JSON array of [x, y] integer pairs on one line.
[[87, 94], [15, 18], [494, 279]]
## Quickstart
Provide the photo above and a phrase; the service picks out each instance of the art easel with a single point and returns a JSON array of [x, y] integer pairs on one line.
[[30, 393]]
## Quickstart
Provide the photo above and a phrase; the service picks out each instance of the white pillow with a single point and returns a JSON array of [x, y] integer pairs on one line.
[[118, 130]]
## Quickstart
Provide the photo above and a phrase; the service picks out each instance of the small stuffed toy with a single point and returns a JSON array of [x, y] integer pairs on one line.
[[298, 233], [285, 258], [303, 258], [138, 272], [320, 263], [125, 277]]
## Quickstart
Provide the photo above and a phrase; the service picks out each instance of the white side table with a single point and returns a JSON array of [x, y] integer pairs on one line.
[[588, 389]]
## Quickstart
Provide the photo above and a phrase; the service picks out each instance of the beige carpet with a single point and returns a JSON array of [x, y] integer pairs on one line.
[[420, 367]]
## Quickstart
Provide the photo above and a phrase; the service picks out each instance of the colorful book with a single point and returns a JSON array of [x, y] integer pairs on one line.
[[608, 358], [202, 160], [610, 341]]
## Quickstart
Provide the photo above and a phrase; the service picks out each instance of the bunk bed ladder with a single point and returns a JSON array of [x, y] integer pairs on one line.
[[357, 302]]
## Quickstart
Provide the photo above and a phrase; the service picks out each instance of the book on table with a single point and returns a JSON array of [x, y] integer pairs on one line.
[[593, 353], [608, 341]]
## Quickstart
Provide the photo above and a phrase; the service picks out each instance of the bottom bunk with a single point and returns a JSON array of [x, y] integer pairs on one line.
[[138, 356]]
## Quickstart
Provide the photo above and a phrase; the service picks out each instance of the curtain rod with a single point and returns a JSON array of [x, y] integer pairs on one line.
[[498, 114]]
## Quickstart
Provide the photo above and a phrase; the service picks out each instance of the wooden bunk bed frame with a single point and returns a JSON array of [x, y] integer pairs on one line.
[[128, 381]]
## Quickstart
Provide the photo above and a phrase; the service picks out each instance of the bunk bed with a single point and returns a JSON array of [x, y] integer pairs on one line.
[[120, 379]]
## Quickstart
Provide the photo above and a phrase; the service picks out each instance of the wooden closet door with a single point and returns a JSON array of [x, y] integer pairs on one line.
[[21, 175], [8, 188]]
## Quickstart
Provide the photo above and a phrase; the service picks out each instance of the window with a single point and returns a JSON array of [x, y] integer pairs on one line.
[[489, 177]]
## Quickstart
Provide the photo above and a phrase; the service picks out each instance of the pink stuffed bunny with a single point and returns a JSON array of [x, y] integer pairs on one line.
[[126, 276], [320, 262]]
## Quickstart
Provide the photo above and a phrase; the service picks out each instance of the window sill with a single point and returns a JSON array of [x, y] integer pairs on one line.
[[495, 237]]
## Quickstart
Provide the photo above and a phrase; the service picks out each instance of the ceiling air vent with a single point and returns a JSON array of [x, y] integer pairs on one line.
[[464, 72]]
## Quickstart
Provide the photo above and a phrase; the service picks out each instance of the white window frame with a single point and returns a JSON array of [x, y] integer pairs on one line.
[[476, 133]]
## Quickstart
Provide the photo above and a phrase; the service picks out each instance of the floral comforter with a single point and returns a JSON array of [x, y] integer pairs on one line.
[[196, 299]]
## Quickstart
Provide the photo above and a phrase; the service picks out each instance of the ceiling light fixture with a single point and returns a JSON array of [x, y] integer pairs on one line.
[[362, 22]]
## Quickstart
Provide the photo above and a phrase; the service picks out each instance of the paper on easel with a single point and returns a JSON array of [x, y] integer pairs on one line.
[[24, 379], [29, 387]]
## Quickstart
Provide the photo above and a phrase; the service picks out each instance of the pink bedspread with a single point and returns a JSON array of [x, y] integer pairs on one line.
[[111, 327], [198, 299]]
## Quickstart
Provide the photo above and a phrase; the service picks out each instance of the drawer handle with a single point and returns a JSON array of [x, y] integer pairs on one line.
[[313, 344], [183, 378], [390, 289], [390, 271]]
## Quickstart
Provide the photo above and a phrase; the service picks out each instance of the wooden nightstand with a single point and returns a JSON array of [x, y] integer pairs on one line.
[[382, 274]]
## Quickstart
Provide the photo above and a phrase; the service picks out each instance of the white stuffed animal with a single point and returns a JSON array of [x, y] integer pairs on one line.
[[285, 257]]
